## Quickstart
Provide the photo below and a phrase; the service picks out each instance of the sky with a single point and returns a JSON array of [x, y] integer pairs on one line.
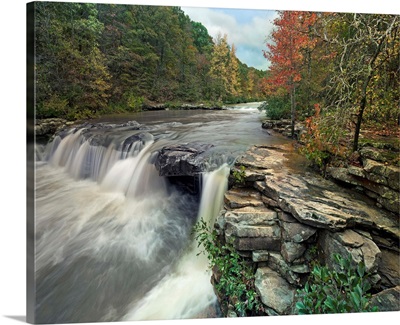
[[247, 29]]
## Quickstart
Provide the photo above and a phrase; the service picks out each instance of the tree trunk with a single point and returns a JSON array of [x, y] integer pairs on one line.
[[358, 124], [363, 101], [293, 108]]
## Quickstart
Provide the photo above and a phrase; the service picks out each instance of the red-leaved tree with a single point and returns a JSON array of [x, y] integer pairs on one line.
[[286, 49]]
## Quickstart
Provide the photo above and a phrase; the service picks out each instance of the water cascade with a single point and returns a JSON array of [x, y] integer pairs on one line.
[[113, 238]]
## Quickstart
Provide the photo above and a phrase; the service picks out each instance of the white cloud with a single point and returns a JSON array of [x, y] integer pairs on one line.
[[249, 37]]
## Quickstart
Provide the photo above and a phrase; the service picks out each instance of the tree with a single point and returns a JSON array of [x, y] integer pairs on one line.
[[233, 73], [218, 69], [286, 47], [364, 44], [72, 79]]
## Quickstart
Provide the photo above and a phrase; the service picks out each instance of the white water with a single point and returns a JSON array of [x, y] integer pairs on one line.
[[113, 238], [187, 292]]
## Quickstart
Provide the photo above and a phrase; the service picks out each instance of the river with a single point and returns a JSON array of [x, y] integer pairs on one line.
[[113, 238]]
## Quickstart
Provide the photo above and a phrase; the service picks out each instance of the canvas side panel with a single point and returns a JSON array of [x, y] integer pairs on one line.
[[30, 174]]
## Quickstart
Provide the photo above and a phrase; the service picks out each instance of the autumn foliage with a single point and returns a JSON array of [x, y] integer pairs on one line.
[[339, 72]]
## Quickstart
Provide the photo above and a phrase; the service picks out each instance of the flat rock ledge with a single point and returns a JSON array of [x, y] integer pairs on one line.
[[282, 217]]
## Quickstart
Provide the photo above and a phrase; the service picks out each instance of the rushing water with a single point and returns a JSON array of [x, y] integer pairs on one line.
[[113, 238]]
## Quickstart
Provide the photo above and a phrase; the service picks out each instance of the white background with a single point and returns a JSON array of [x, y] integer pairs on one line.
[[13, 147]]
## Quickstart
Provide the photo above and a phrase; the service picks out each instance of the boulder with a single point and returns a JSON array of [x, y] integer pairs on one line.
[[292, 251], [187, 159], [256, 243], [275, 293], [350, 243], [391, 173], [277, 263]]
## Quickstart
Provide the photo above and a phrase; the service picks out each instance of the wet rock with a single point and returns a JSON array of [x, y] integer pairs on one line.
[[187, 159], [316, 217], [274, 291], [343, 175], [269, 202], [48, 127], [262, 158], [390, 200], [356, 171], [387, 300]]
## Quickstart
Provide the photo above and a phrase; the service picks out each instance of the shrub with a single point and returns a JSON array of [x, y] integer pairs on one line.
[[239, 175], [277, 108], [322, 139], [55, 106], [329, 291], [236, 281], [134, 103]]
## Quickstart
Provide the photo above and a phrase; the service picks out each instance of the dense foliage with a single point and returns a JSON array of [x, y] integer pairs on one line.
[[336, 291], [93, 58], [236, 276], [337, 72]]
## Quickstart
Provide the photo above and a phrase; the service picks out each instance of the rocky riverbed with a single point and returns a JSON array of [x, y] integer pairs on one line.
[[282, 217]]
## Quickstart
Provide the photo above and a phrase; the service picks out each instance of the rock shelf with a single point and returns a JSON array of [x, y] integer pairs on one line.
[[282, 217]]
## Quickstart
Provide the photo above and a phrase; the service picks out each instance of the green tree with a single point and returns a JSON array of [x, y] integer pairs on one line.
[[364, 45], [72, 78], [218, 70], [233, 73]]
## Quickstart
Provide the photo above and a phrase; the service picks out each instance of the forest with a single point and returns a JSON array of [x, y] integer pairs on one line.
[[336, 72], [105, 58]]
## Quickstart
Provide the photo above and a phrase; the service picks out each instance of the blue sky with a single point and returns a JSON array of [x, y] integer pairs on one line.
[[246, 28]]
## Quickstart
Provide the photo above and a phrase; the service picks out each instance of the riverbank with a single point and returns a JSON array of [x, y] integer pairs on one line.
[[282, 218], [45, 128], [373, 170]]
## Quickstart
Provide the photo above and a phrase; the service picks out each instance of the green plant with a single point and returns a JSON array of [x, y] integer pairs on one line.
[[55, 106], [278, 107], [239, 175], [330, 291], [236, 277], [134, 103]]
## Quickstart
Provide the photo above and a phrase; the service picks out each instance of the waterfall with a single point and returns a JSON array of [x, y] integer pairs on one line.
[[113, 238], [187, 291]]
